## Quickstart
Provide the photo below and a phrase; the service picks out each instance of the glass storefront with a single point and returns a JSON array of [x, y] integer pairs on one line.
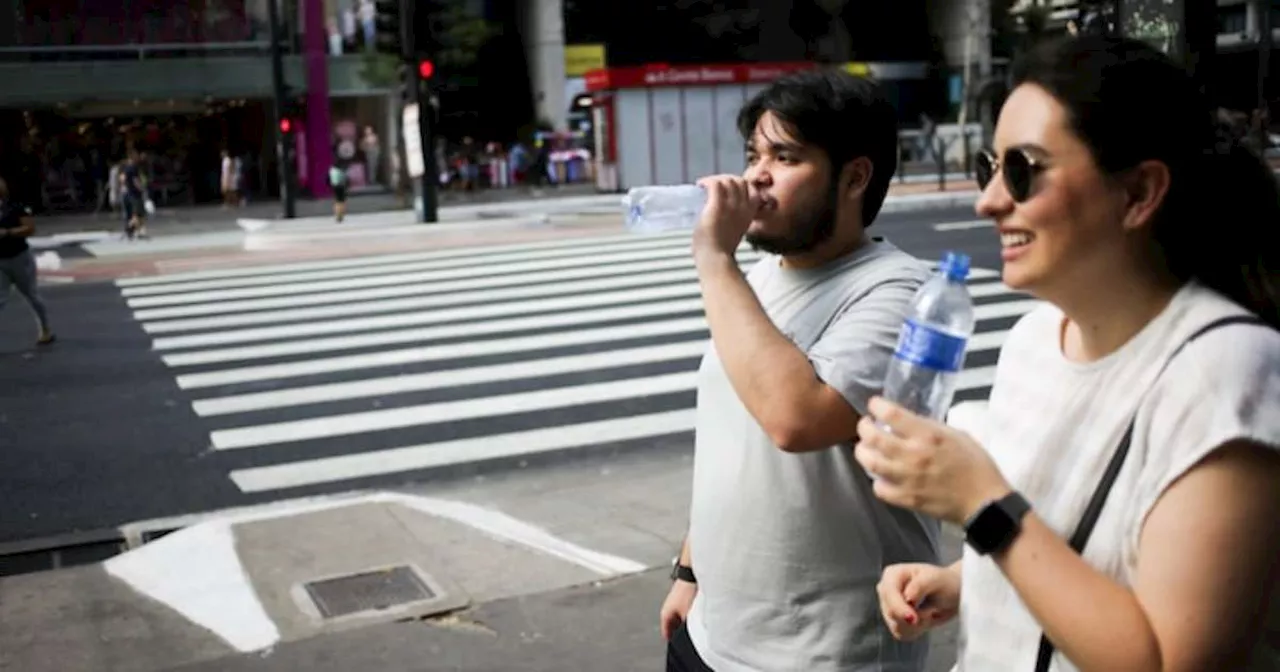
[[56, 159], [362, 142]]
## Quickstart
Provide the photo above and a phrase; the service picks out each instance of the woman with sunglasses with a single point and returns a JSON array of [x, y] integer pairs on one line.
[[1119, 503]]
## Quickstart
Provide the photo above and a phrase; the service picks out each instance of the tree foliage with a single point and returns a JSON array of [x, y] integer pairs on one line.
[[453, 35], [1014, 32], [459, 34]]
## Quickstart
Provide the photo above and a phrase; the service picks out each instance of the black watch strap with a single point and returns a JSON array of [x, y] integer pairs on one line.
[[997, 524], [682, 572]]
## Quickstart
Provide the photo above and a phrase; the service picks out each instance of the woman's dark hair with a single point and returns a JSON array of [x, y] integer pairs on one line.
[[1130, 103], [844, 115]]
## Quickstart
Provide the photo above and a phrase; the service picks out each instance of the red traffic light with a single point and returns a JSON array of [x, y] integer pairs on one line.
[[426, 69], [286, 125]]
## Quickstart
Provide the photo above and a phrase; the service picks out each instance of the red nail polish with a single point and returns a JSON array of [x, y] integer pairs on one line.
[[911, 619]]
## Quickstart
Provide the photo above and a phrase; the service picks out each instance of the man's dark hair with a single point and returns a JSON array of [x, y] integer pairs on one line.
[[844, 115]]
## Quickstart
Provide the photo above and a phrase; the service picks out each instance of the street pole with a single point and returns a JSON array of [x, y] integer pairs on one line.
[[281, 96], [1199, 41], [429, 180], [986, 111], [410, 37], [1264, 68]]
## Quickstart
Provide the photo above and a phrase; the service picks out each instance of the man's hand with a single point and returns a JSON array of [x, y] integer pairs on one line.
[[731, 205], [675, 609]]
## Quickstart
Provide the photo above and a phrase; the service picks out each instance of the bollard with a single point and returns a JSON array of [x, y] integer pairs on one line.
[[902, 160], [940, 153], [968, 156]]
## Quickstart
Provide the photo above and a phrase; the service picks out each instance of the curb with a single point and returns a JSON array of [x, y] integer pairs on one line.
[[926, 202], [200, 571]]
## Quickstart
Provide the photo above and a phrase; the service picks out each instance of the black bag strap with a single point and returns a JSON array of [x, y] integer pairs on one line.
[[1091, 512]]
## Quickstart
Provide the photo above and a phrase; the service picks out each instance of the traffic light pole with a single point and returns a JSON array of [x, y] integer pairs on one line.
[[278, 90], [425, 189], [430, 179]]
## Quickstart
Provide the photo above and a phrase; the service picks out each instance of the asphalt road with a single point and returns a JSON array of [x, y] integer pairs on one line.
[[95, 431]]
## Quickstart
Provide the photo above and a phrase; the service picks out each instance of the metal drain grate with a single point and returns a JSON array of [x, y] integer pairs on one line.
[[369, 591]]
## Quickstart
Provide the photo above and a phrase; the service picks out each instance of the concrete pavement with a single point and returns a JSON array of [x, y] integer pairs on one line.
[[210, 226], [142, 411], [542, 569], [210, 218], [553, 565], [70, 255]]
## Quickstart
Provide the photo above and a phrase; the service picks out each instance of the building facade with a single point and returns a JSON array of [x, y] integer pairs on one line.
[[891, 39], [184, 80]]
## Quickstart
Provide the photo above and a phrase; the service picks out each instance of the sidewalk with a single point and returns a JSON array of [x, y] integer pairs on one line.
[[250, 241], [550, 568], [213, 218]]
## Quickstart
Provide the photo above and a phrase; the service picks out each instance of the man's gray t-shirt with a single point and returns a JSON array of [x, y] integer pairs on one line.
[[788, 548]]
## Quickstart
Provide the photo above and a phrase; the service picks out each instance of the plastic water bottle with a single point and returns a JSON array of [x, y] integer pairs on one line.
[[663, 208], [933, 341]]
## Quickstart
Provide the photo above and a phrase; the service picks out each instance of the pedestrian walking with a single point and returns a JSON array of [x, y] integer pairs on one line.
[[338, 182], [229, 181], [372, 148], [1119, 502], [786, 541], [17, 264], [135, 197]]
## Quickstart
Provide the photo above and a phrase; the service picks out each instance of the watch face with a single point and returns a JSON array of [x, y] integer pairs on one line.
[[990, 528]]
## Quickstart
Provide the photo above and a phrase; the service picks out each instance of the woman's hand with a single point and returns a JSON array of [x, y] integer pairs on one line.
[[925, 465], [915, 598]]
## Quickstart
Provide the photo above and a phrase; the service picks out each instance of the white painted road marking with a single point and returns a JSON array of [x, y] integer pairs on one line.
[[448, 411], [964, 226], [495, 263], [441, 352], [471, 330], [376, 260], [294, 355], [399, 384], [539, 307], [445, 453]]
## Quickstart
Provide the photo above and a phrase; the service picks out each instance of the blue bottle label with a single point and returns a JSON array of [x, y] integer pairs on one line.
[[925, 346]]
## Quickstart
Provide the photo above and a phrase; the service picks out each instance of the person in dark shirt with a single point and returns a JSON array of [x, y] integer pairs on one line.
[[17, 264], [135, 197]]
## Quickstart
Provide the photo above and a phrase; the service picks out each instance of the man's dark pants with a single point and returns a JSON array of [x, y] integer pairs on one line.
[[681, 656]]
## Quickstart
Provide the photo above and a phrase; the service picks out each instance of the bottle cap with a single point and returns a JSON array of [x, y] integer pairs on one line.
[[955, 265]]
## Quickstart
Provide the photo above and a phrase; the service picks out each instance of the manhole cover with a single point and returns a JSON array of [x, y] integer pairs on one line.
[[368, 591]]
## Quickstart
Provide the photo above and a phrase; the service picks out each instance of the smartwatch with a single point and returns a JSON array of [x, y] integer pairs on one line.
[[682, 572], [996, 524]]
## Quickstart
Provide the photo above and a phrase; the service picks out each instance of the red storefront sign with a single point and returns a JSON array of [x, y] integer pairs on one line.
[[689, 75]]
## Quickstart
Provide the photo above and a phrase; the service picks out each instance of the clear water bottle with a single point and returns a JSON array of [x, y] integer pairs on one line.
[[933, 341], [663, 208]]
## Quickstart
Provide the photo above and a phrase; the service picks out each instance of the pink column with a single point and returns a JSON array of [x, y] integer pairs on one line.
[[315, 61]]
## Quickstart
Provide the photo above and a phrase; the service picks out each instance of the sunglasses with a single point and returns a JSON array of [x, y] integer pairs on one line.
[[1018, 167]]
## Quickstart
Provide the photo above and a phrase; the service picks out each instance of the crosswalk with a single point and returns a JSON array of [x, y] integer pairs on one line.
[[333, 374]]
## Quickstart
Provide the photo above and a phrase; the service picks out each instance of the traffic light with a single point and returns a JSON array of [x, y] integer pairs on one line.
[[388, 28], [415, 78], [286, 126], [407, 84]]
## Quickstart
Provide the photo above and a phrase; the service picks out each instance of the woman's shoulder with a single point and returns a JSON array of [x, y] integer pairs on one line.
[[1221, 340], [1222, 386]]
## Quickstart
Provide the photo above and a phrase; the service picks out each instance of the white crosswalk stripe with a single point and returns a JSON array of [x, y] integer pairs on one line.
[[321, 374]]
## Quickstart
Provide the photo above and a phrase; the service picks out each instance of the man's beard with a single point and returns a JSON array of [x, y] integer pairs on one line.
[[812, 228]]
